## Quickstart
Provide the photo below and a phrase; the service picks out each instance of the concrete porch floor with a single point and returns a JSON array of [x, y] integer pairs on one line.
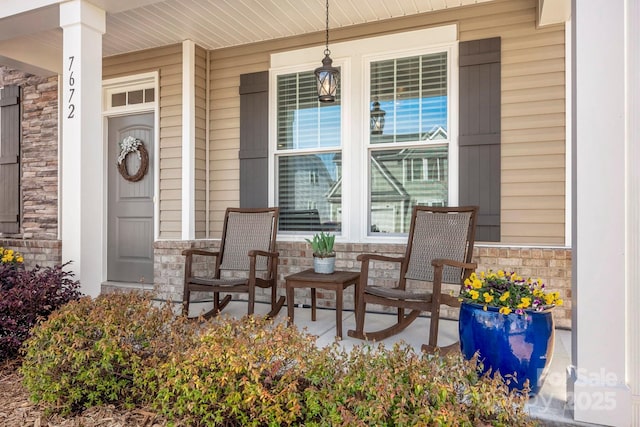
[[548, 407]]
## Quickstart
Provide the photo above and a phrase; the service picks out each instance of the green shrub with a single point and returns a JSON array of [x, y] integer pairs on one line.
[[245, 372], [252, 372], [91, 352], [397, 387]]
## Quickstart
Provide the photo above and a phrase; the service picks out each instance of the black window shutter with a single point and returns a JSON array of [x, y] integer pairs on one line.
[[254, 139], [480, 133], [10, 159]]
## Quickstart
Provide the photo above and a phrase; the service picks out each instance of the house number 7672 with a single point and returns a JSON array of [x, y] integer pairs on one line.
[[72, 89]]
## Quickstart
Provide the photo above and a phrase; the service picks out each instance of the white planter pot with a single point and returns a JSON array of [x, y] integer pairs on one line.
[[324, 265]]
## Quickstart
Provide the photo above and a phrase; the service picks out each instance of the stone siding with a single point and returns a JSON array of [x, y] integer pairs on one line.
[[38, 154], [552, 265]]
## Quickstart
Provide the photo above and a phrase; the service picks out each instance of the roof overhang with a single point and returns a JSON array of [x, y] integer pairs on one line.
[[31, 37], [552, 12]]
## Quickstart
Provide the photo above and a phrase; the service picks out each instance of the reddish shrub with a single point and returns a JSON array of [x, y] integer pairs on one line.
[[27, 296]]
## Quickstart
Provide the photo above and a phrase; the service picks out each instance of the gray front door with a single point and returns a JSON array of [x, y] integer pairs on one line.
[[130, 211]]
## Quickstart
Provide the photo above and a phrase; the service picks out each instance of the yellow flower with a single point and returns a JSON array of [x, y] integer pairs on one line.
[[481, 287], [524, 302], [10, 256]]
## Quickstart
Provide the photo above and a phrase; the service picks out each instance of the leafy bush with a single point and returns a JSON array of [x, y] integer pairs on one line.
[[255, 373], [247, 372], [397, 387], [251, 372], [25, 297], [91, 352]]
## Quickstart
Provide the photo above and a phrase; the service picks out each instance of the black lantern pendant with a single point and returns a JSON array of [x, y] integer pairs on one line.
[[327, 75], [377, 119]]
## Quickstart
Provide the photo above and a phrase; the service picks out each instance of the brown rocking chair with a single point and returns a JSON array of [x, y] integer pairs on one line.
[[247, 245], [439, 251]]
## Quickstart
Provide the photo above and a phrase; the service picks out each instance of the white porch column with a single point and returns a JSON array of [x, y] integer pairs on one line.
[[188, 139], [633, 202], [82, 177], [601, 394]]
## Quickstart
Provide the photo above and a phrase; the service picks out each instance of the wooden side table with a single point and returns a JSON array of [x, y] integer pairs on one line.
[[338, 281]]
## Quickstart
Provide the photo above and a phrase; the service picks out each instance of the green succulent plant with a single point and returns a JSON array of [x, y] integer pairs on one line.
[[322, 244]]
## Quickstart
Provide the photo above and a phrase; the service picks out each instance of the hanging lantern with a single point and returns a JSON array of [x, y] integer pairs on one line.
[[327, 75], [377, 119]]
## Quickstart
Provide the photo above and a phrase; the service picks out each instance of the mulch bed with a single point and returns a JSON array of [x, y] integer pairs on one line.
[[17, 410]]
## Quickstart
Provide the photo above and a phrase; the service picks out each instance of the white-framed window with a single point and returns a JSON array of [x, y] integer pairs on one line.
[[366, 184], [130, 93], [307, 155], [412, 88]]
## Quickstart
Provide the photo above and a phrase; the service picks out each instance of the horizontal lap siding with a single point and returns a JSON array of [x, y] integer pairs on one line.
[[532, 118], [224, 162], [168, 62], [201, 143], [533, 124]]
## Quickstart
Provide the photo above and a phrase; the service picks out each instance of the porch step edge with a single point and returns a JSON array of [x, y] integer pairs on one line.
[[111, 286]]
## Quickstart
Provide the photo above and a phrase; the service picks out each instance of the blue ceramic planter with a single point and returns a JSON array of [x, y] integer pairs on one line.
[[520, 345]]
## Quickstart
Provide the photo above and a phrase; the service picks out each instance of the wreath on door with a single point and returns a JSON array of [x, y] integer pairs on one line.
[[128, 146]]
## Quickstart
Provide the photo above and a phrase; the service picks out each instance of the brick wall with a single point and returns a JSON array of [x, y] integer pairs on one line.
[[169, 266], [45, 253], [39, 153], [552, 265]]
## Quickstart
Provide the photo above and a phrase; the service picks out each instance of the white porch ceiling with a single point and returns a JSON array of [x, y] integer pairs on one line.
[[30, 38], [134, 25], [216, 24]]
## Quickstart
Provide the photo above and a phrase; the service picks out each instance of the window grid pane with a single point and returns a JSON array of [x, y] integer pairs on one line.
[[404, 178], [310, 192], [413, 93], [304, 122], [309, 185]]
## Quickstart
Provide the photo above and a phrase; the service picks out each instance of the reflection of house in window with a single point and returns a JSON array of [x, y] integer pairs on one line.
[[434, 170], [305, 182], [436, 132], [402, 179], [313, 177], [390, 202], [413, 169], [429, 169]]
